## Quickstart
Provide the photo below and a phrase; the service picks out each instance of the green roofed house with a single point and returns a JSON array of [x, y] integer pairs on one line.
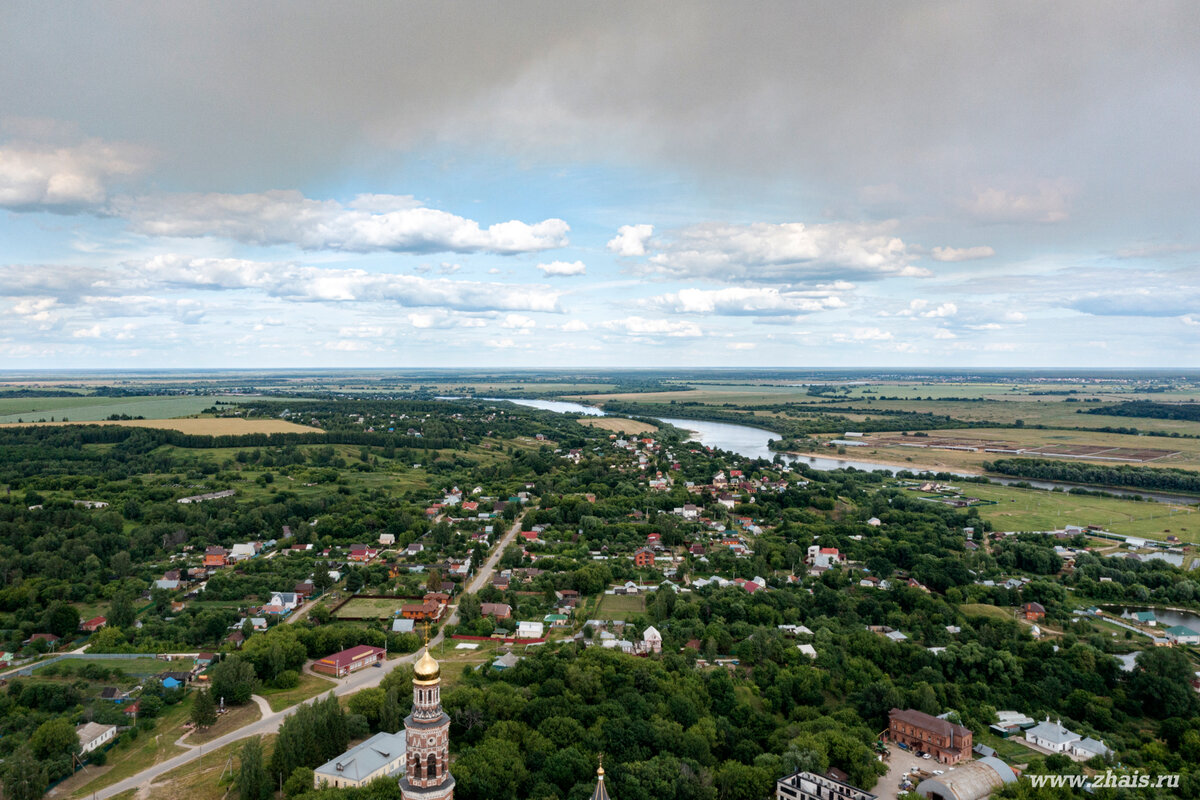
[[556, 620], [1146, 617], [1180, 634]]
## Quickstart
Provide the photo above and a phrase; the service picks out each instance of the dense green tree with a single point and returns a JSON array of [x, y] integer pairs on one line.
[[54, 738], [233, 679], [24, 777], [204, 709], [253, 782]]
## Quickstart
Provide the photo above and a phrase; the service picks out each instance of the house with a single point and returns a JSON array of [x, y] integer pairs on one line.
[[132, 709], [113, 694], [1146, 618], [727, 500], [402, 626], [348, 661], [1052, 736], [304, 590], [651, 640], [1180, 634], [361, 552], [246, 550], [171, 683], [387, 539], [169, 585], [381, 756], [428, 610], [258, 623], [874, 522], [530, 630], [215, 556], [644, 557], [807, 649], [93, 735], [204, 659], [1033, 611], [945, 741], [180, 677], [557, 620], [288, 601], [237, 639], [497, 610], [824, 557], [506, 661], [92, 625], [813, 786]]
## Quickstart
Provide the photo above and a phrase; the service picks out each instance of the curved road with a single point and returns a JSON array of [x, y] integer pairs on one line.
[[270, 722]]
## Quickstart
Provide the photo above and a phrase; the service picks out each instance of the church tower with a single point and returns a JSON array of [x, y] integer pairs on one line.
[[600, 793], [427, 732]]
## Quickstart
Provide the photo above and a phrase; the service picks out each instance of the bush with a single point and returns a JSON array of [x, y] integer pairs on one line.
[[288, 679], [98, 758]]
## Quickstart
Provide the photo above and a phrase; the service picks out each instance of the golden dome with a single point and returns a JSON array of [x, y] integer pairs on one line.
[[427, 668]]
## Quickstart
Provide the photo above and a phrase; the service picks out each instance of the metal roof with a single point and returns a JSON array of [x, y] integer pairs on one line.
[[363, 760]]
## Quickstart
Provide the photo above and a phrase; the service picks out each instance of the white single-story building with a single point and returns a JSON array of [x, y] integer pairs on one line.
[[93, 735], [383, 755], [530, 630]]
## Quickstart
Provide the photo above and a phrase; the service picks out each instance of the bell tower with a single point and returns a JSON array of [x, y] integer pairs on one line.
[[427, 735]]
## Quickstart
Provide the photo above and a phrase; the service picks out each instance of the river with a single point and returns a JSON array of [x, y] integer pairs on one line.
[[1166, 617], [751, 442]]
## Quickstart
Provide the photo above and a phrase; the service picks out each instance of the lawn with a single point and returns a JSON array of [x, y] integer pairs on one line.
[[130, 666], [309, 686], [209, 777], [231, 720], [196, 426], [364, 607], [148, 749], [985, 610], [620, 606], [1011, 750], [1037, 509]]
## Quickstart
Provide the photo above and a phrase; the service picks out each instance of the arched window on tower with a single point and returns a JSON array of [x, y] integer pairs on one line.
[[431, 766]]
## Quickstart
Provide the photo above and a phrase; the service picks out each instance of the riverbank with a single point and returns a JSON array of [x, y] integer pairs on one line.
[[883, 461]]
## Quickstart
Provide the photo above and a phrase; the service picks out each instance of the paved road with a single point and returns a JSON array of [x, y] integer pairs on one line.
[[270, 722]]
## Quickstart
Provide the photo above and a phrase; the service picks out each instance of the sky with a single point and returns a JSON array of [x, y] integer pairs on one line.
[[570, 184]]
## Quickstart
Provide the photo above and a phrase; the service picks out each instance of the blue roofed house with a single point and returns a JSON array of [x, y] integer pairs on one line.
[[171, 683]]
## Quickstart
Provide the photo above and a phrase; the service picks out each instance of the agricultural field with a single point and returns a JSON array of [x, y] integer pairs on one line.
[[92, 409], [1105, 448], [196, 426], [618, 425], [1039, 510], [620, 606]]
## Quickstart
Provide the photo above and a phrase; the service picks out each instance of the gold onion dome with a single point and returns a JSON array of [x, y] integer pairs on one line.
[[427, 668]]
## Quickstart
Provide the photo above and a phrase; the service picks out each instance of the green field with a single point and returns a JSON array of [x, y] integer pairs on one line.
[[367, 607], [620, 606], [92, 409], [1039, 510], [309, 686], [130, 666], [985, 610]]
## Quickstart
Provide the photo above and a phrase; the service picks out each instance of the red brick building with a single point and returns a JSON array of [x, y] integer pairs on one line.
[[945, 741], [644, 558], [347, 661], [1034, 611]]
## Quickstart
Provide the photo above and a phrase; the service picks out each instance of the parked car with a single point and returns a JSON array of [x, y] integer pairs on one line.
[[926, 755], [902, 745]]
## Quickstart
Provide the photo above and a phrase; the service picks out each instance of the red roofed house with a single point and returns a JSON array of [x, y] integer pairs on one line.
[[653, 539], [361, 552], [347, 661], [1034, 611], [428, 610], [644, 557], [497, 610], [92, 625], [215, 556]]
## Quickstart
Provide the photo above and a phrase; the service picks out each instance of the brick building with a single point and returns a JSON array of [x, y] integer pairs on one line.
[[945, 741]]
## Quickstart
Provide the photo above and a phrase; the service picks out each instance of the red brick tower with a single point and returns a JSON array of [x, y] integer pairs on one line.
[[427, 774]]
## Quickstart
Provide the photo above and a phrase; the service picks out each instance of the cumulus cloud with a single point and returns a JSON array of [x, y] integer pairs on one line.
[[63, 179], [631, 240], [763, 301], [641, 326], [369, 223], [305, 283], [1049, 202], [864, 335], [561, 269], [574, 326], [962, 253], [791, 252], [942, 333], [923, 308]]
